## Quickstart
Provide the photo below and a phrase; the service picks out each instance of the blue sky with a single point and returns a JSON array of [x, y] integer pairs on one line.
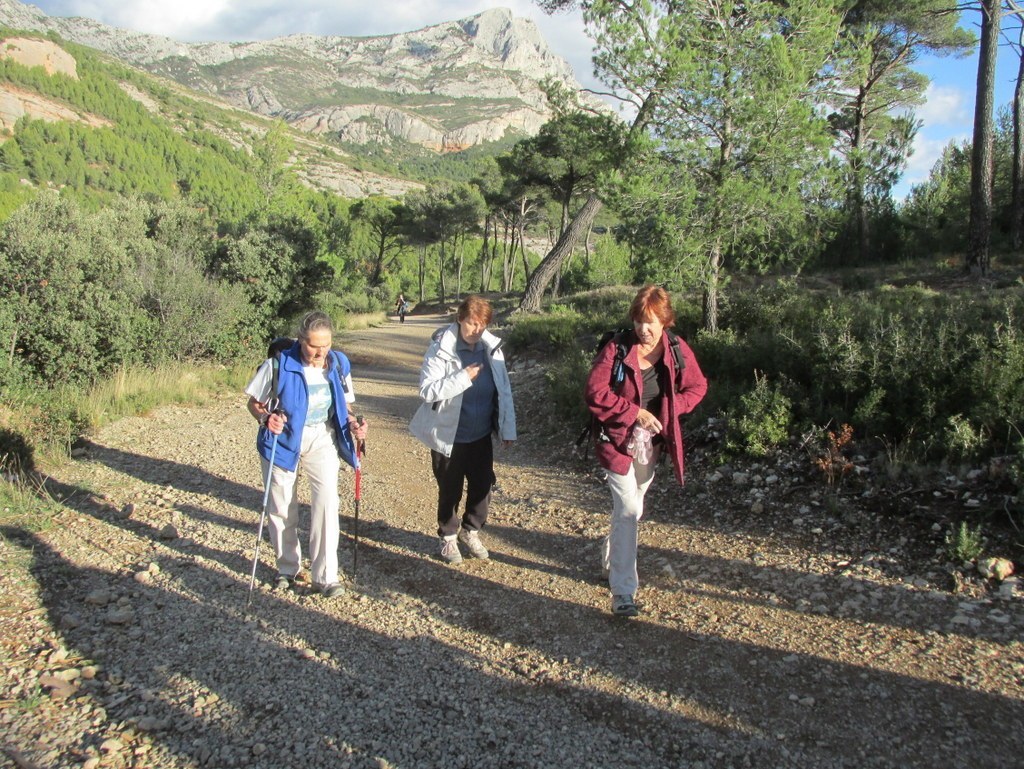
[[947, 115]]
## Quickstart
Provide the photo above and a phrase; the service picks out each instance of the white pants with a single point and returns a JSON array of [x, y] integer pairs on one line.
[[618, 551], [319, 458]]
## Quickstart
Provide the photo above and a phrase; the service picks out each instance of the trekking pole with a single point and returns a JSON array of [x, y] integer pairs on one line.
[[360, 450], [263, 515]]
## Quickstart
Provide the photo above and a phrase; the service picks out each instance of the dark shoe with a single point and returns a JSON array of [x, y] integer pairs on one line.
[[623, 606]]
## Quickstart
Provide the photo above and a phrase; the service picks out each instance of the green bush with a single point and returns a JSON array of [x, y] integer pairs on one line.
[[761, 421], [566, 379], [965, 543], [896, 363], [557, 330]]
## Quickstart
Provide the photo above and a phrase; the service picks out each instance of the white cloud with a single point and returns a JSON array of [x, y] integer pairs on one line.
[[927, 152], [244, 20], [945, 105], [946, 116]]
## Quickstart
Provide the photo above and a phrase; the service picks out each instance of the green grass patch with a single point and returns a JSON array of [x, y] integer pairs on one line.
[[137, 390], [25, 504], [42, 425]]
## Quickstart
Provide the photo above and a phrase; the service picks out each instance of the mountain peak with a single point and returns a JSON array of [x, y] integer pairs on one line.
[[447, 86]]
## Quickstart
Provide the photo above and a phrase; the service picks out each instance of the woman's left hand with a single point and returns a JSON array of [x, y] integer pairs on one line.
[[358, 430]]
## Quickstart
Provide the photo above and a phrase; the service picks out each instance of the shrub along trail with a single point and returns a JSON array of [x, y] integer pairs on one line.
[[776, 630]]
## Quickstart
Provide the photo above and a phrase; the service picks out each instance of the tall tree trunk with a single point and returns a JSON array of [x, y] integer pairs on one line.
[[442, 288], [458, 266], [521, 228], [711, 288], [546, 270], [859, 202], [1017, 198], [586, 248], [422, 273], [508, 265], [980, 226], [483, 256]]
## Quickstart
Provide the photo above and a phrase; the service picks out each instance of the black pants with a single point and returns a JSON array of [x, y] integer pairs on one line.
[[471, 464]]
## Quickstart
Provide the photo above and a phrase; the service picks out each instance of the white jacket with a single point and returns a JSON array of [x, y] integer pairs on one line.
[[442, 383]]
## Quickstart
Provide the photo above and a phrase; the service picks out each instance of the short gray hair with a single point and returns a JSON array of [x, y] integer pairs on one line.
[[314, 321]]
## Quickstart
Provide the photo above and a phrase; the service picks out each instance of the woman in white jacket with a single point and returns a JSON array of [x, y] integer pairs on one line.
[[466, 396]]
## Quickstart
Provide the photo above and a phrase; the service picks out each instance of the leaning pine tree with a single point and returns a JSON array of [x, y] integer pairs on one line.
[[724, 94]]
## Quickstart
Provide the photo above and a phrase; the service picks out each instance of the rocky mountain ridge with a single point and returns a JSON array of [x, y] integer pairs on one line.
[[445, 87]]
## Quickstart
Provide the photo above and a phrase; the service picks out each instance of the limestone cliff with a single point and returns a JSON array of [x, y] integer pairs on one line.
[[16, 103], [445, 87]]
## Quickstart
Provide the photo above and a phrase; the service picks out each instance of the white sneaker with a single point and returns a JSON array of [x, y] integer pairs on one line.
[[623, 606], [450, 550], [471, 539]]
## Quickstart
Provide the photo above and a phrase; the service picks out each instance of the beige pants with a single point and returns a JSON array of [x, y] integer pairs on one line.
[[319, 458], [618, 551]]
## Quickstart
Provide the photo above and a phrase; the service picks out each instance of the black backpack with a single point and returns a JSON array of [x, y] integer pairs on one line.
[[618, 374]]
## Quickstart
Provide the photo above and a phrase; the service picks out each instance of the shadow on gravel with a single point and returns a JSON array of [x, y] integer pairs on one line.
[[897, 607], [362, 694], [85, 502], [187, 478], [860, 716], [188, 675]]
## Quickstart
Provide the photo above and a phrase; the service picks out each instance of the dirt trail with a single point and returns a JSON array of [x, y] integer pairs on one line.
[[789, 636]]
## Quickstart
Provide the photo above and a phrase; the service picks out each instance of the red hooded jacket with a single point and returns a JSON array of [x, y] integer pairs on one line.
[[617, 411]]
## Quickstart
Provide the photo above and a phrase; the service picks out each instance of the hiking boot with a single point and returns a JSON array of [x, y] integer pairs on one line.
[[623, 606], [332, 590], [450, 550], [471, 539]]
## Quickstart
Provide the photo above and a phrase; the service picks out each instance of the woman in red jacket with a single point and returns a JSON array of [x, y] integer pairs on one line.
[[641, 385]]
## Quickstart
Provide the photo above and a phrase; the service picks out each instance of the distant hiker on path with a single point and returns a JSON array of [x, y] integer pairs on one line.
[[466, 395], [641, 384], [401, 307], [305, 420]]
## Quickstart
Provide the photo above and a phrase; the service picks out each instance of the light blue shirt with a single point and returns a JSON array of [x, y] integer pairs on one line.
[[320, 400]]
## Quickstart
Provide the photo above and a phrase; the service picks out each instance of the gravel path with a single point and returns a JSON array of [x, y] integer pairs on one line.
[[775, 632]]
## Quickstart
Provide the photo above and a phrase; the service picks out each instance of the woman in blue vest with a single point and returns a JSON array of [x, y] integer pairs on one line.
[[308, 417]]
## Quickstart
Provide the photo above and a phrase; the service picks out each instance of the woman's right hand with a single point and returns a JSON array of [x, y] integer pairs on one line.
[[645, 418], [276, 422]]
